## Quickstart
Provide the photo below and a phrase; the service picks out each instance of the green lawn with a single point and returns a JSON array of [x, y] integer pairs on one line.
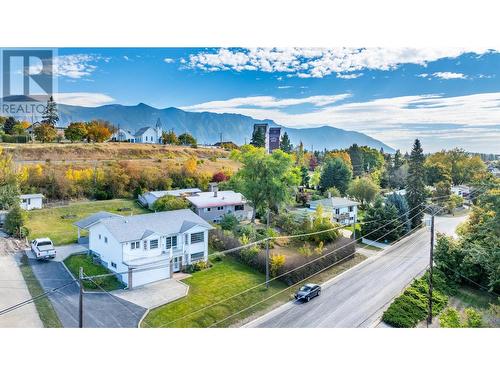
[[76, 261], [43, 306], [223, 280], [57, 223]]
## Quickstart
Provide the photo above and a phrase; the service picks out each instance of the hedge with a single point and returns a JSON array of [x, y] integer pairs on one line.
[[411, 307]]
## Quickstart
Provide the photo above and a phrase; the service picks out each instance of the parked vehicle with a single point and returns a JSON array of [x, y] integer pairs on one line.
[[43, 248], [308, 291]]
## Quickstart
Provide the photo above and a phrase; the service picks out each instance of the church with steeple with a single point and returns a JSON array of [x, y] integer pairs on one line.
[[146, 134]]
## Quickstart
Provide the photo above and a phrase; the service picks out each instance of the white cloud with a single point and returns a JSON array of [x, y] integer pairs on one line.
[[84, 99], [72, 66], [243, 103], [349, 76], [168, 60], [126, 58], [318, 62], [285, 87], [449, 75]]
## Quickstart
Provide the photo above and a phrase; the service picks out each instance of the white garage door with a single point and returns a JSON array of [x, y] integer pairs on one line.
[[140, 277]]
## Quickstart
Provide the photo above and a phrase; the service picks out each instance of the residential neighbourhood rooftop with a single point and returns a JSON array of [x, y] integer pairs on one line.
[[136, 227], [92, 219], [176, 193], [334, 202], [25, 196], [214, 199]]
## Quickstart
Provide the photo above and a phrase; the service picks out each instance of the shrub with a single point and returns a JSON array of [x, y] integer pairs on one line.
[[473, 318], [276, 264], [450, 318], [169, 203], [305, 250], [198, 266], [15, 220], [229, 222], [411, 307]]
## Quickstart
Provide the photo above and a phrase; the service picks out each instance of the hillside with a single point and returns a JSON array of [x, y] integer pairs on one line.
[[207, 127]]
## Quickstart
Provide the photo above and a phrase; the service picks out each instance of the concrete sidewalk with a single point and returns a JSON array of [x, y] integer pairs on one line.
[[13, 290]]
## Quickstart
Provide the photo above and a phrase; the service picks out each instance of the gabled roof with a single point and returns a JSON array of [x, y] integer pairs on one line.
[[143, 130], [223, 198], [136, 227], [334, 202], [92, 219]]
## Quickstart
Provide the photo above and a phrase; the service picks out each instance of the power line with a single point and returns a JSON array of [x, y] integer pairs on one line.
[[292, 270]]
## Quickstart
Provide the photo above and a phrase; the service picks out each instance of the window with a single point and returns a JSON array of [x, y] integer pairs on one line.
[[135, 245], [171, 242], [239, 207], [220, 208], [105, 239], [208, 209], [113, 264], [99, 236], [351, 208], [337, 211], [197, 256], [145, 245], [153, 244], [197, 237], [186, 239]]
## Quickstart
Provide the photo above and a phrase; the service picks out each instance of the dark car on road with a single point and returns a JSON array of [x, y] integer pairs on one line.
[[308, 291]]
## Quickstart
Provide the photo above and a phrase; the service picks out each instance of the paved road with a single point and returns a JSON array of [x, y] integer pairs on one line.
[[358, 297], [100, 309]]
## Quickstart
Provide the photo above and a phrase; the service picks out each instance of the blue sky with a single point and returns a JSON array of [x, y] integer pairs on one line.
[[448, 97]]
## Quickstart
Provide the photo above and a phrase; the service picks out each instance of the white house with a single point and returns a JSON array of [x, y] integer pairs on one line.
[[340, 210], [31, 201], [147, 199], [461, 190], [213, 205], [146, 134], [145, 248]]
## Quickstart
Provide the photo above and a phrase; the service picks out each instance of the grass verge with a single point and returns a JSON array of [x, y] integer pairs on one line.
[[225, 279], [44, 307], [108, 283], [57, 223]]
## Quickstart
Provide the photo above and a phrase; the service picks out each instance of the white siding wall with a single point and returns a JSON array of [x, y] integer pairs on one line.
[[110, 251], [31, 203], [194, 248]]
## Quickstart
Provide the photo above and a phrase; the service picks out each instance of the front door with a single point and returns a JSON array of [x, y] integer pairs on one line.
[[177, 263]]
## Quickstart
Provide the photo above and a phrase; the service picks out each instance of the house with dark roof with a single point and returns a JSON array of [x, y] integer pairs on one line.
[[142, 249]]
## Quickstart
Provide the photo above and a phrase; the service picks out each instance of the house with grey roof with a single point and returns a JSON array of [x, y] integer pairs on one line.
[[147, 134], [142, 249], [214, 204], [149, 198], [339, 210]]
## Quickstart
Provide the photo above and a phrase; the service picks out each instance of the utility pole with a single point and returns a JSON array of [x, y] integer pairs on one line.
[[431, 261], [354, 229], [80, 302], [267, 253]]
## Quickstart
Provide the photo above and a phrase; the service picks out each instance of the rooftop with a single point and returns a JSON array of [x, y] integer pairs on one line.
[[223, 198], [25, 196], [176, 193], [94, 218], [129, 228], [334, 202]]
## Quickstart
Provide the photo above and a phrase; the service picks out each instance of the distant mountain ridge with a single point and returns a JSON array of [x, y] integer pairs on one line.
[[207, 127]]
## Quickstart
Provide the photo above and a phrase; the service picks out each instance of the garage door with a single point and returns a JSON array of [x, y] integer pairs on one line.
[[140, 277]]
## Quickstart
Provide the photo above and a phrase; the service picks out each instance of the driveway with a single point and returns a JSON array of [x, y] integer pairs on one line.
[[13, 290], [64, 251], [155, 294], [100, 310]]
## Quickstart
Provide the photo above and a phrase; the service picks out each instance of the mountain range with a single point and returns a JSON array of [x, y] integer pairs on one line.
[[208, 127]]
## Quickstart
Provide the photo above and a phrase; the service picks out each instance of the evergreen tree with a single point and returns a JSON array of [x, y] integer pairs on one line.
[[9, 125], [14, 221], [187, 139], [399, 201], [49, 115], [398, 161], [285, 144], [382, 223], [415, 184], [258, 138], [356, 156], [335, 173]]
